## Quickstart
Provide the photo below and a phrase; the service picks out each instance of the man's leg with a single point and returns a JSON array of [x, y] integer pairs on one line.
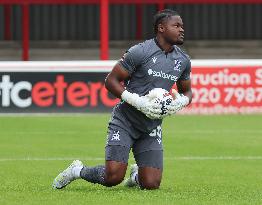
[[110, 174], [147, 173], [114, 170], [148, 153], [149, 178]]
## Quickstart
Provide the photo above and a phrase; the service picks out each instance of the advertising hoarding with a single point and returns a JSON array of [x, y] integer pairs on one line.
[[219, 87]]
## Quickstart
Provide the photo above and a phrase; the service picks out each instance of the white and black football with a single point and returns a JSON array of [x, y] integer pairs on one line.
[[161, 97]]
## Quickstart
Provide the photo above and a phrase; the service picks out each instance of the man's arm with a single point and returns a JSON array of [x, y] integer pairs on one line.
[[182, 98], [114, 85], [114, 79], [184, 87]]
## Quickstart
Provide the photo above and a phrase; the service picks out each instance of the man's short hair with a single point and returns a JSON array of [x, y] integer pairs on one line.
[[162, 16]]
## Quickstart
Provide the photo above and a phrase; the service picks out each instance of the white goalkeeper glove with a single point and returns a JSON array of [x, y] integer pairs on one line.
[[178, 103], [142, 104]]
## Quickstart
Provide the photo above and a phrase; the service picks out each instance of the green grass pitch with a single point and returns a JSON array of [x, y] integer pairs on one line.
[[207, 160]]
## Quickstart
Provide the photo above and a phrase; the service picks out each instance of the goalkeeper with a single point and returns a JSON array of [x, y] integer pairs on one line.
[[136, 121]]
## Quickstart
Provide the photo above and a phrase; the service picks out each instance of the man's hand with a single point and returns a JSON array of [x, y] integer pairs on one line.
[[150, 109], [143, 104], [178, 103], [153, 105]]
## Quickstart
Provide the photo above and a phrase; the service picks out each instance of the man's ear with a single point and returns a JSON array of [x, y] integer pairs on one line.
[[161, 28]]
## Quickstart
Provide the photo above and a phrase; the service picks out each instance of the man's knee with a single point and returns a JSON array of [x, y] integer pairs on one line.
[[114, 173], [113, 179], [149, 178], [150, 183]]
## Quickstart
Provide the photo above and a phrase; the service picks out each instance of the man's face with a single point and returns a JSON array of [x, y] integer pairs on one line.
[[173, 30]]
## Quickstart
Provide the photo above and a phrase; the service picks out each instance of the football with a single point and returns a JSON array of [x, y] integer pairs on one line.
[[161, 97]]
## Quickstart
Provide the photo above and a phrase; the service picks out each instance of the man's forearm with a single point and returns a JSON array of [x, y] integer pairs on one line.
[[189, 95], [114, 86]]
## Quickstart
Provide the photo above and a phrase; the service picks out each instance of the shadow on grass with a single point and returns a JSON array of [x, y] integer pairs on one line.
[[98, 188], [94, 188]]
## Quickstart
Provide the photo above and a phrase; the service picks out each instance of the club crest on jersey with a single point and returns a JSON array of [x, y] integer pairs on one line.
[[177, 66]]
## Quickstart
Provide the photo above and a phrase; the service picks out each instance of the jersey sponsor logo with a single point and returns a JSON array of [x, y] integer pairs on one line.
[[154, 59], [161, 74], [177, 66]]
